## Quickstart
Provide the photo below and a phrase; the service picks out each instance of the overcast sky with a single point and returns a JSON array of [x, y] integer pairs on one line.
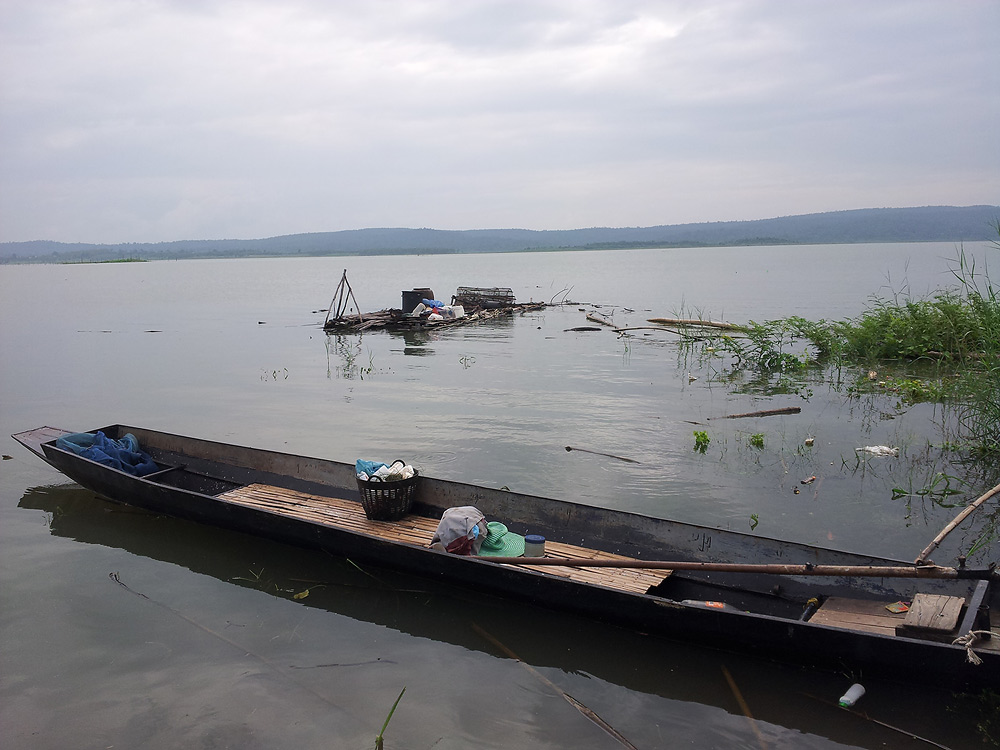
[[151, 120]]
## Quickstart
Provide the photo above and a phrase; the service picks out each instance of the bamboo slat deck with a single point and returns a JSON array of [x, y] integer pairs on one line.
[[417, 530]]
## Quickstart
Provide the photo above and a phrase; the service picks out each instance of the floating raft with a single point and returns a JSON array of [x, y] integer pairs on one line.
[[396, 320]]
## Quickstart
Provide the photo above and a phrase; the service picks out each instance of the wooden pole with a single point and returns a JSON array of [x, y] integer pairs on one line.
[[849, 571], [341, 291], [951, 526], [341, 296], [350, 293], [336, 291]]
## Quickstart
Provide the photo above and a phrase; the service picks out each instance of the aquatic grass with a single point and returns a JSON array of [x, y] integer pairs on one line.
[[985, 706], [947, 326], [701, 441], [941, 349], [378, 738], [764, 347], [978, 412], [985, 539], [938, 489]]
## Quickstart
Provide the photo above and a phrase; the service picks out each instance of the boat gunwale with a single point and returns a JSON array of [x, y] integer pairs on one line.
[[530, 498]]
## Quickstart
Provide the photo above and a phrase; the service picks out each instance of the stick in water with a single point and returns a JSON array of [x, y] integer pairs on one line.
[[696, 322], [596, 453], [765, 413], [589, 713]]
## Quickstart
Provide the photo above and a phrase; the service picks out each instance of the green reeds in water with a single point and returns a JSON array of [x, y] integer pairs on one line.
[[378, 738], [943, 349]]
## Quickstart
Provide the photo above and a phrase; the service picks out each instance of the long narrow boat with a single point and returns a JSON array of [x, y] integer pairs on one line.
[[794, 602]]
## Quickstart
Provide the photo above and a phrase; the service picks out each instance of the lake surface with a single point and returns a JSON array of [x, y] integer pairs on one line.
[[217, 653]]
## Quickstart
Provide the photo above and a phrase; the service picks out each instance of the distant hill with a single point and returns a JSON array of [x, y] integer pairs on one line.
[[926, 224]]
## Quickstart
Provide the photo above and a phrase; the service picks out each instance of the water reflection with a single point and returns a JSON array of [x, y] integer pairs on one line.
[[347, 358], [653, 691], [415, 343]]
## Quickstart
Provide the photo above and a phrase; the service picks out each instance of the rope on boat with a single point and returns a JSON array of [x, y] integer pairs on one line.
[[968, 640]]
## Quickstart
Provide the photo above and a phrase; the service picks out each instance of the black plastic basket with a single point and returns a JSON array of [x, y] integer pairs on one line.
[[388, 501]]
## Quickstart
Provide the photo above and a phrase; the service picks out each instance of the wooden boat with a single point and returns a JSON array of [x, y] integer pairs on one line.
[[736, 591]]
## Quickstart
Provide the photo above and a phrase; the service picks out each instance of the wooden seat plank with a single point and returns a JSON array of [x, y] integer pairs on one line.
[[933, 612], [418, 530]]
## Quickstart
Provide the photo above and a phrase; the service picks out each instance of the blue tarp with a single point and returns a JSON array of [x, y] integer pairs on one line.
[[124, 455], [367, 467]]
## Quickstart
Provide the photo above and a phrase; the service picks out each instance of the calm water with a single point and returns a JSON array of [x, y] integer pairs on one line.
[[217, 653]]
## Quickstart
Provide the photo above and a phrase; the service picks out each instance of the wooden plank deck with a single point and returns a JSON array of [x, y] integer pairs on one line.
[[857, 614], [417, 530], [873, 617]]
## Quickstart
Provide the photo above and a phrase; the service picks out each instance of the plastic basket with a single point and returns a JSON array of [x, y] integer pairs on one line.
[[388, 501]]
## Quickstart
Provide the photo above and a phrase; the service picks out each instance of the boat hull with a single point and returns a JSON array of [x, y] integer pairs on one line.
[[762, 612]]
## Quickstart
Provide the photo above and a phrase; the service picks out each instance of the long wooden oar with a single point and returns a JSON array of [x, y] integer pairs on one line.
[[850, 571], [958, 519]]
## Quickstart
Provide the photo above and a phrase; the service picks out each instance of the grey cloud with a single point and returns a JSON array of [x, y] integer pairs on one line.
[[163, 120]]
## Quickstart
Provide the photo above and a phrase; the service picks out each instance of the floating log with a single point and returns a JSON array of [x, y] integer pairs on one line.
[[764, 413], [597, 453], [696, 322], [594, 317], [649, 328]]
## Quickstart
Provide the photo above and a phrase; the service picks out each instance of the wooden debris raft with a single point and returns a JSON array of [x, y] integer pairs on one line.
[[396, 320], [478, 304]]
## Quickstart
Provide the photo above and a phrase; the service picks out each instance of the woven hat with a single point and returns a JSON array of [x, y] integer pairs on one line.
[[501, 543]]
